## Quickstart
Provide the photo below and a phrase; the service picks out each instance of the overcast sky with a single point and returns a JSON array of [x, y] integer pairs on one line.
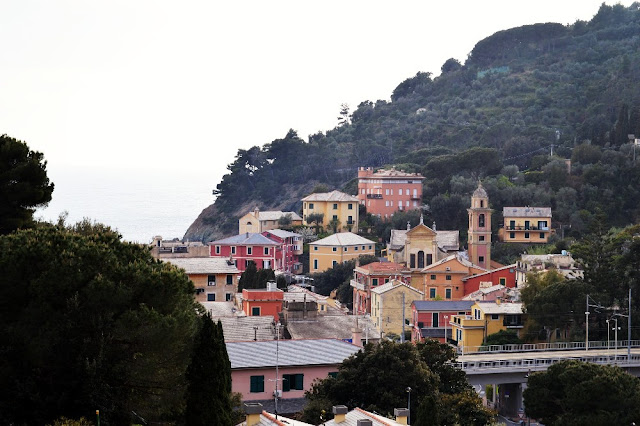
[[147, 84]]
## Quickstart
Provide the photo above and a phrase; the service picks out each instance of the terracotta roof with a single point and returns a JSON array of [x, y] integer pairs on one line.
[[526, 212], [331, 196], [342, 239], [381, 267]]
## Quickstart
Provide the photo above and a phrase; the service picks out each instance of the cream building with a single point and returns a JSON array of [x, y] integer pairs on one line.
[[258, 222], [337, 248], [334, 205], [388, 302]]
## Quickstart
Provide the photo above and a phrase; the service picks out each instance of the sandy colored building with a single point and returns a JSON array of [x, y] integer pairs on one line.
[[334, 205], [390, 304], [385, 192], [526, 225], [405, 242], [337, 248], [215, 279], [258, 222]]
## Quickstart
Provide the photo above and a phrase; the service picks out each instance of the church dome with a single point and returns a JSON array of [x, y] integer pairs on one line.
[[480, 192]]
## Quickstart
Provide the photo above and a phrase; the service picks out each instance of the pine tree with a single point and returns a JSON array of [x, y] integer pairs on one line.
[[209, 378]]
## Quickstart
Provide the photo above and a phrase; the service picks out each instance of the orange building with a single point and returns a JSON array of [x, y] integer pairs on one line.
[[373, 275], [263, 302], [444, 279], [385, 192], [526, 225]]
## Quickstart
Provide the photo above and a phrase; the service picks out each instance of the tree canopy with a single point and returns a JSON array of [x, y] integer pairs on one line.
[[576, 393], [24, 184], [90, 322]]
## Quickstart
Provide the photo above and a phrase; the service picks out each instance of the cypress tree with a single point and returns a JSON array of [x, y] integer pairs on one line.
[[209, 378]]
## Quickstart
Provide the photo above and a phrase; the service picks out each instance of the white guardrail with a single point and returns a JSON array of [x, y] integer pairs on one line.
[[535, 347], [536, 364]]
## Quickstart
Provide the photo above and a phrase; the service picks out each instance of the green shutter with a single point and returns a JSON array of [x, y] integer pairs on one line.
[[286, 382], [257, 384], [299, 381]]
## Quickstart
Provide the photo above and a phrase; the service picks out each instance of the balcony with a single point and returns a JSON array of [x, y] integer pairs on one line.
[[357, 285], [527, 228], [416, 197], [467, 321], [375, 196]]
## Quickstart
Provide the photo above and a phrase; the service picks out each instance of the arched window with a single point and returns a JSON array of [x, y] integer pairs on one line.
[[420, 259], [481, 220]]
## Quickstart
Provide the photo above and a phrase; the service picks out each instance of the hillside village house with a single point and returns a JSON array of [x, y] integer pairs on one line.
[[337, 248], [370, 276], [390, 305], [526, 225], [258, 222], [505, 276], [487, 318], [385, 192], [562, 263], [430, 319], [162, 249], [443, 280], [241, 249], [334, 205], [421, 246], [288, 250], [262, 302], [215, 279]]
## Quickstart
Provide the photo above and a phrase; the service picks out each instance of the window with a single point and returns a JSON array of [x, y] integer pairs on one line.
[[435, 320], [334, 263], [211, 280], [503, 281], [476, 314], [481, 238], [257, 384], [349, 219], [249, 250], [412, 260], [227, 297], [447, 293], [335, 206], [199, 290], [363, 247], [481, 220], [370, 247], [386, 280], [255, 311], [542, 225], [447, 277], [229, 279], [346, 249], [420, 259], [432, 293], [315, 248], [333, 374], [527, 224], [266, 251], [246, 263], [310, 206], [526, 235], [334, 248], [233, 249], [335, 217], [481, 203], [512, 234], [495, 316], [350, 207], [481, 259], [374, 282], [355, 248], [542, 235], [512, 224], [211, 297], [315, 263], [433, 277], [266, 264], [429, 259], [292, 382], [217, 249]]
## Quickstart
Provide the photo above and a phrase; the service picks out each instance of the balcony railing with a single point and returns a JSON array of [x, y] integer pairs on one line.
[[376, 196], [526, 228]]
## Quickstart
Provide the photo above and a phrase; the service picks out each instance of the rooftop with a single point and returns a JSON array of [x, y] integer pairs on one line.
[[500, 308], [442, 305], [290, 352], [331, 196], [332, 327], [457, 257], [220, 309], [375, 268], [526, 212], [247, 238], [352, 417], [247, 328], [392, 285], [446, 240], [490, 272], [277, 214], [393, 173], [282, 233], [342, 239], [203, 265], [480, 192]]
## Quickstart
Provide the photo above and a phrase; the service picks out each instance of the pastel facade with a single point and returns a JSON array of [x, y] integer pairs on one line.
[[288, 251], [444, 280], [526, 225], [486, 318], [371, 276], [263, 302], [333, 205], [447, 242], [258, 222], [479, 236], [338, 248], [431, 319], [385, 192], [505, 276], [390, 304], [246, 247], [215, 279]]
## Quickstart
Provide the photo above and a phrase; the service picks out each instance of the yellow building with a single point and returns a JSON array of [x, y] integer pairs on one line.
[[487, 318], [258, 222], [526, 225], [215, 278], [337, 248], [334, 206], [421, 246], [388, 302]]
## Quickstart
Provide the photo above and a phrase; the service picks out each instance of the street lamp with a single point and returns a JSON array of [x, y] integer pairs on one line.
[[615, 327], [608, 342], [586, 343], [446, 340], [409, 405]]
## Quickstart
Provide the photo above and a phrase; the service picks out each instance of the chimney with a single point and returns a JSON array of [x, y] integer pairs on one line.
[[401, 415], [256, 212], [253, 411], [498, 300], [356, 333], [339, 413], [364, 422]]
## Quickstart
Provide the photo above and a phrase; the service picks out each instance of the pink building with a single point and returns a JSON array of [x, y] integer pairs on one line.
[[431, 319], [288, 251], [385, 192], [247, 247], [300, 362]]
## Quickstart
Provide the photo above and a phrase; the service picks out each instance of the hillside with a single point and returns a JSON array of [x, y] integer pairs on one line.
[[494, 117]]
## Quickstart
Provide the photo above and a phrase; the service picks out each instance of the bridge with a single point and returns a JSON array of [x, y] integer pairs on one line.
[[508, 367]]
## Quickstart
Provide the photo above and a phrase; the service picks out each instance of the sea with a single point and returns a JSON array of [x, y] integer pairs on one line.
[[138, 204]]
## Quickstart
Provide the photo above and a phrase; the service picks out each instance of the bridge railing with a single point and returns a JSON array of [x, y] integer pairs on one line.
[[536, 364], [555, 346]]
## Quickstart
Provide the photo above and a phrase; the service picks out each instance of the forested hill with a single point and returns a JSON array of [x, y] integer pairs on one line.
[[495, 116]]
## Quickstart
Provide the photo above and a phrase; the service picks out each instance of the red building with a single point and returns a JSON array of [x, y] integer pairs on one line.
[[431, 318], [263, 302], [290, 247], [385, 192], [247, 247], [370, 276], [505, 276]]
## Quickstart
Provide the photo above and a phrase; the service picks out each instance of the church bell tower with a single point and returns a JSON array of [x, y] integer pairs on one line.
[[479, 239]]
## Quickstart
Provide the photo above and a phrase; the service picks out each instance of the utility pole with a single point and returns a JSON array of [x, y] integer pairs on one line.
[[403, 320], [629, 327]]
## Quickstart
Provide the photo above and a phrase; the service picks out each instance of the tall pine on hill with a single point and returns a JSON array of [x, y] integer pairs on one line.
[[209, 376]]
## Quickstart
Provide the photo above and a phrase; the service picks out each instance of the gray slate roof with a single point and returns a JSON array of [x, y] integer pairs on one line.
[[443, 305], [242, 328], [446, 240], [203, 265], [290, 353], [526, 212], [331, 196], [342, 239], [282, 233], [248, 238], [220, 309], [501, 308], [331, 327]]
